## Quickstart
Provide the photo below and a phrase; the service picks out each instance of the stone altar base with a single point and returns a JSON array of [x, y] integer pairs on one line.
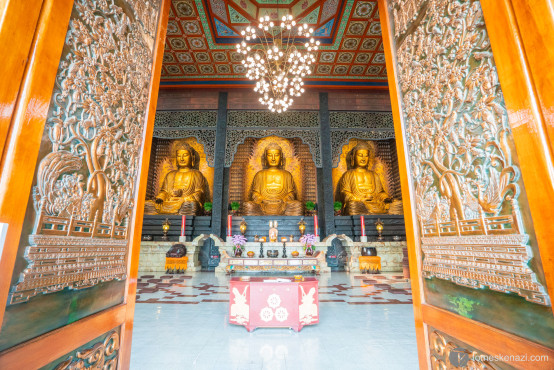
[[391, 253], [152, 254]]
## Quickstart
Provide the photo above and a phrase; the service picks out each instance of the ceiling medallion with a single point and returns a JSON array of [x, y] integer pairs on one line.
[[274, 60]]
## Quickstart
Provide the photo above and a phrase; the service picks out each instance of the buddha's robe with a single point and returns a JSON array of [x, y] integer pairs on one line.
[[362, 192], [180, 187], [274, 191]]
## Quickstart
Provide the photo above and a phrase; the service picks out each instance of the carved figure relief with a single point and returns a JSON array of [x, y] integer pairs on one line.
[[85, 183], [466, 177], [273, 190], [240, 310], [404, 13], [183, 190], [363, 189], [308, 309]]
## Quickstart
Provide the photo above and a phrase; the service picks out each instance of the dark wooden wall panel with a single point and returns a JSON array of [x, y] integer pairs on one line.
[[246, 98], [360, 100], [177, 99]]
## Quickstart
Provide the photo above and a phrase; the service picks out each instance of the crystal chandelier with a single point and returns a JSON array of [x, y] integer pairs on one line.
[[273, 59]]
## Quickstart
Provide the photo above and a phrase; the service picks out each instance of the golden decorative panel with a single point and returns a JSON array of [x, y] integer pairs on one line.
[[89, 159], [248, 161], [383, 162], [468, 191], [176, 192], [168, 163]]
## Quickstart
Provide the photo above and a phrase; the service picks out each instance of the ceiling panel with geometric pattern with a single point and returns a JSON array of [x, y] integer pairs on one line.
[[202, 37]]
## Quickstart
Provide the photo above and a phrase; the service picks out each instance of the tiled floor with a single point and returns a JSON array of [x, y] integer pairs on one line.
[[366, 322]]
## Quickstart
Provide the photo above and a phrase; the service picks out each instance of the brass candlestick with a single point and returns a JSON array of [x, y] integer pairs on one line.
[[379, 226], [302, 226], [243, 226], [165, 228]]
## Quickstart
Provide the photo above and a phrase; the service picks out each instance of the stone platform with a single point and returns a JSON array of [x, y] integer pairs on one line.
[[152, 254]]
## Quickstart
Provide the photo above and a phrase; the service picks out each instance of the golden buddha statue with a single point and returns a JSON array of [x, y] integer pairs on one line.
[[273, 189], [183, 190], [360, 188]]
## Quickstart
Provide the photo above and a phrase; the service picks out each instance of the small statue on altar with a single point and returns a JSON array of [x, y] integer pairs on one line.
[[183, 190], [273, 232], [361, 189], [273, 189]]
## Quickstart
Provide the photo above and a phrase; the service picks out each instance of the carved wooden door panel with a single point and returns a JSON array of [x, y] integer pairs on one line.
[[481, 269], [73, 182]]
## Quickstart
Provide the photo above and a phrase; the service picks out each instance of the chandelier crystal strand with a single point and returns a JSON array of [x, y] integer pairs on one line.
[[273, 59]]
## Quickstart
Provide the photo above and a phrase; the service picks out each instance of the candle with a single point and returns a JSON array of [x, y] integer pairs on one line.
[[183, 222], [362, 221], [316, 226], [229, 224]]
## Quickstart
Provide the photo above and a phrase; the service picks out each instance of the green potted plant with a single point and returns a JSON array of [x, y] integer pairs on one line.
[[310, 208], [208, 208], [235, 206], [337, 206]]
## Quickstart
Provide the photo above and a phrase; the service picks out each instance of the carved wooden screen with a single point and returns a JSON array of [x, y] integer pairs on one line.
[[74, 249], [474, 244]]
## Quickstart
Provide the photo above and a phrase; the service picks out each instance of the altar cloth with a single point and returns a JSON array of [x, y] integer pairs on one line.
[[261, 302]]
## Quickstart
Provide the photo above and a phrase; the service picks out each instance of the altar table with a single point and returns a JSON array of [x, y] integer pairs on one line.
[[264, 302], [278, 265]]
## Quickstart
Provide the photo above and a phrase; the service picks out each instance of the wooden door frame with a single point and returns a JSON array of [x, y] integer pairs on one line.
[[412, 232], [18, 167], [533, 148]]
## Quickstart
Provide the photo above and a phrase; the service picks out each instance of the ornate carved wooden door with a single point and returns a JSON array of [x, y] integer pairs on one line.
[[472, 135], [77, 120]]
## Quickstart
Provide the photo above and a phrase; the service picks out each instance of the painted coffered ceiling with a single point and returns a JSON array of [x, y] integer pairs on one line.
[[202, 36]]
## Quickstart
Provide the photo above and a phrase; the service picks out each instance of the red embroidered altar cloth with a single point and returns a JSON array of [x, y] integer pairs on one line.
[[273, 302]]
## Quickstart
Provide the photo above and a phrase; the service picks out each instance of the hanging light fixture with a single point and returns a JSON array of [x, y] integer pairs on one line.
[[274, 59]]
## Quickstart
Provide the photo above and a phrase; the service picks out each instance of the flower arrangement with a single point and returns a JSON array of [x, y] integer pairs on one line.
[[308, 240], [238, 241]]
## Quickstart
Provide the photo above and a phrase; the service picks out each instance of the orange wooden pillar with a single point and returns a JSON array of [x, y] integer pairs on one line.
[[414, 252]]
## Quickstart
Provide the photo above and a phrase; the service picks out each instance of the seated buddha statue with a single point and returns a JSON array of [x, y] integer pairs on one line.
[[360, 188], [273, 189], [183, 190]]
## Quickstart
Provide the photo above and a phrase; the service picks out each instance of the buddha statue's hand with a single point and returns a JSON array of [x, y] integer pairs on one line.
[[159, 201], [177, 192]]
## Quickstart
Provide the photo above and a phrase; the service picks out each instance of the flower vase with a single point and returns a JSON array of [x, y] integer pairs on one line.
[[309, 251], [238, 252]]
